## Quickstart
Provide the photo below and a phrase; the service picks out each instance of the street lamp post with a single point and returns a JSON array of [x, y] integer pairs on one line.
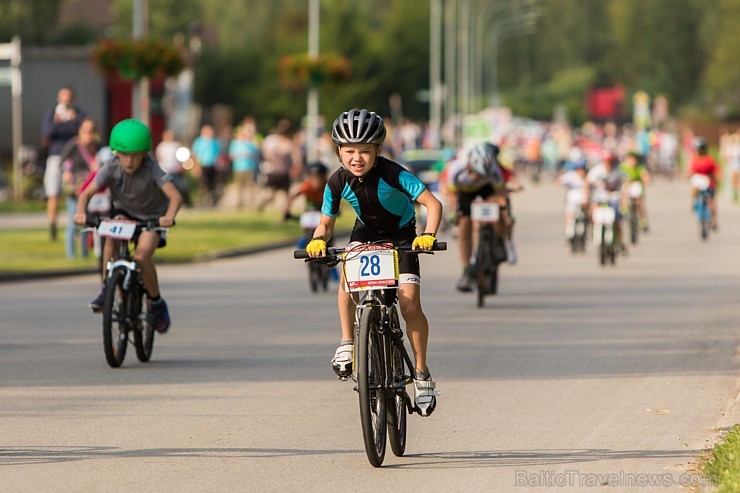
[[513, 24], [140, 94], [450, 69], [313, 92], [435, 70]]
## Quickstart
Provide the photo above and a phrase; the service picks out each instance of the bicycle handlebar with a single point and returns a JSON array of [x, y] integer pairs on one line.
[[334, 251], [94, 221]]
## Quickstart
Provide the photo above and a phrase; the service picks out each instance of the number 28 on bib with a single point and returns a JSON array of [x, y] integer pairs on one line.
[[371, 268]]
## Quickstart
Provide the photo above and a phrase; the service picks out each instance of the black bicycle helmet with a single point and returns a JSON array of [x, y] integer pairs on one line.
[[358, 127], [700, 144], [316, 168]]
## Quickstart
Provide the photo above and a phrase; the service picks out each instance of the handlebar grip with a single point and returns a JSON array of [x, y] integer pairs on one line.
[[300, 254], [439, 246]]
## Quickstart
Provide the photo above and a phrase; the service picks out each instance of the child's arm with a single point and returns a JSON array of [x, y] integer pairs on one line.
[[297, 192], [81, 214], [434, 210], [175, 202]]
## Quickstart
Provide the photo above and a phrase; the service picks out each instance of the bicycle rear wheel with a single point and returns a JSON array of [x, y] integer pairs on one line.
[[397, 412], [370, 383], [144, 324], [115, 323]]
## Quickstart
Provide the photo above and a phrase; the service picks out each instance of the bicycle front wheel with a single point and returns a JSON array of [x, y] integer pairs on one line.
[[634, 223], [370, 383], [397, 414], [115, 323], [705, 216], [144, 325], [483, 261]]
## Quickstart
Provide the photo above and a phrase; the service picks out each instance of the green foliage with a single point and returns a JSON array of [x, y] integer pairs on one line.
[[684, 49], [32, 20], [724, 466], [721, 81], [565, 89]]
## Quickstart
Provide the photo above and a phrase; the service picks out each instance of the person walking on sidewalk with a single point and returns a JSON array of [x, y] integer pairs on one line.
[[59, 125]]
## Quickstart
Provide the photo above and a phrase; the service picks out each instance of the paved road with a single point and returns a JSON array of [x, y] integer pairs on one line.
[[575, 375]]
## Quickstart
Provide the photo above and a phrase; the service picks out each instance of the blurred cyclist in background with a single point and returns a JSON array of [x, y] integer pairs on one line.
[[477, 173], [703, 164]]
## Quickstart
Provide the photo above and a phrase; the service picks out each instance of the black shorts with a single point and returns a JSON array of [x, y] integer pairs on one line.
[[465, 199], [407, 263]]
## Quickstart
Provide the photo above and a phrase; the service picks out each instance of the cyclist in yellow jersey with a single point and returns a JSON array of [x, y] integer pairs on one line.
[[635, 171]]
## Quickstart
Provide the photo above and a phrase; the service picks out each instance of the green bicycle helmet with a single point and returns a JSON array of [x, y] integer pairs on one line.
[[130, 136]]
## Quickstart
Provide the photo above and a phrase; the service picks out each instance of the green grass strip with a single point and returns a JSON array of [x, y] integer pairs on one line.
[[198, 234], [723, 468]]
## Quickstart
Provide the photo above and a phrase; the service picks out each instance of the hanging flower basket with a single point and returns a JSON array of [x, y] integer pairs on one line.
[[301, 71], [136, 59]]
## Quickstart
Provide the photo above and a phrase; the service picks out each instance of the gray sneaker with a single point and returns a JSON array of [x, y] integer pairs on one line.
[[96, 305]]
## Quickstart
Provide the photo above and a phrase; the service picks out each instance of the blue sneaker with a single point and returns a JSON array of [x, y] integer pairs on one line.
[[161, 316], [96, 305]]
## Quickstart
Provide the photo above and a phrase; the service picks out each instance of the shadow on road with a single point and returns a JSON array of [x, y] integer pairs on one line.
[[15, 456], [528, 458]]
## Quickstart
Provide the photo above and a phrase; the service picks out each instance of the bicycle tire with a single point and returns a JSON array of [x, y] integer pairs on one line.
[[483, 261], [115, 323], [704, 217], [370, 385], [313, 276], [144, 324], [494, 280], [324, 278], [603, 247], [634, 223], [396, 405]]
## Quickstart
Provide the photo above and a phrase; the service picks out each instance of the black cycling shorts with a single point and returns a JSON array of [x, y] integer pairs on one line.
[[465, 199], [407, 263]]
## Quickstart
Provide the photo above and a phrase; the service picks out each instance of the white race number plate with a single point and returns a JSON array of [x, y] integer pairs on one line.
[[371, 269], [484, 212], [120, 230], [604, 215], [310, 219]]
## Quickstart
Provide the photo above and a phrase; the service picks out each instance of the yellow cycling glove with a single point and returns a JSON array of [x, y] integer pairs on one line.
[[423, 242], [316, 246]]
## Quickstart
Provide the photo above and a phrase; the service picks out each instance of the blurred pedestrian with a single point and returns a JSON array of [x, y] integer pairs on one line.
[[245, 154], [59, 125], [79, 162], [223, 161], [206, 148], [281, 158], [166, 153]]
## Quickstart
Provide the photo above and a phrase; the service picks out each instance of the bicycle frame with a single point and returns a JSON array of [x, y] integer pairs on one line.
[[386, 300]]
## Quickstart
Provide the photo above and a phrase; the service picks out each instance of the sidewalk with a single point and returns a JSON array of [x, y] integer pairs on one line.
[[23, 220]]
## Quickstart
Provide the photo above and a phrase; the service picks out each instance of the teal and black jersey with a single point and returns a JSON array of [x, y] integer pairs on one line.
[[383, 199]]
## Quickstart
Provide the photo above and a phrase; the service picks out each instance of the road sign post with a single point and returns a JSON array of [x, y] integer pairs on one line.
[[12, 76]]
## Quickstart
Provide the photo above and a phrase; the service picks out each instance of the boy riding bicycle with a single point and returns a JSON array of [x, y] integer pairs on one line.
[[382, 194], [140, 190]]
